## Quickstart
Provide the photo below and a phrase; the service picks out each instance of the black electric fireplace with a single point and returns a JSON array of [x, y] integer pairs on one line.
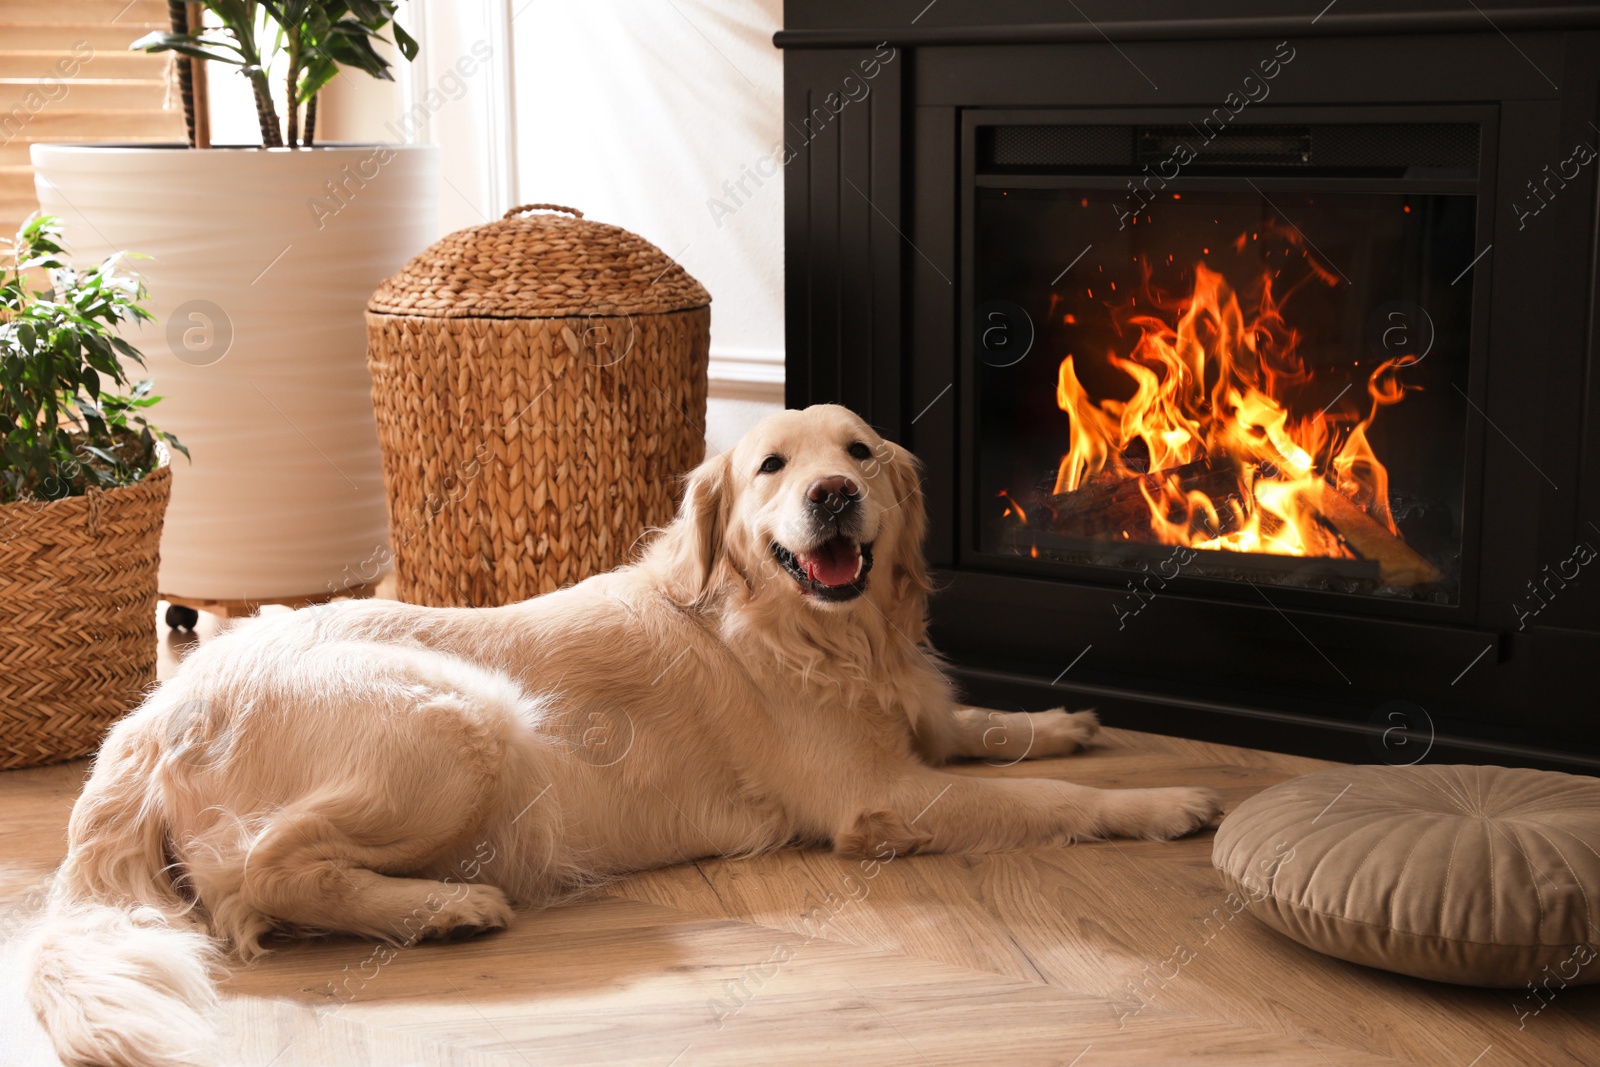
[[1251, 353]]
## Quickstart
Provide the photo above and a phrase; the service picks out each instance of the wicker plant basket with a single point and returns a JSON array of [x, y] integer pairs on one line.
[[540, 386], [77, 617]]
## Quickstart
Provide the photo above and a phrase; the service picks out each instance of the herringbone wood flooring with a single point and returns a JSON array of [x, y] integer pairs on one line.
[[1112, 953]]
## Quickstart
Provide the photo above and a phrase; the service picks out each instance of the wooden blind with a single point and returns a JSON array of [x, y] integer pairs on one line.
[[66, 75]]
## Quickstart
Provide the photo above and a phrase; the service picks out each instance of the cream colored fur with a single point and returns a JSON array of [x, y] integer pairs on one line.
[[400, 772]]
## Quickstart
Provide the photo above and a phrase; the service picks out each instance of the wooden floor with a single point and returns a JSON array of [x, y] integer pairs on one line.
[[1091, 956]]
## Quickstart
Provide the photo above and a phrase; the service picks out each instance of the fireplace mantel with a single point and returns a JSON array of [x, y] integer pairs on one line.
[[850, 25]]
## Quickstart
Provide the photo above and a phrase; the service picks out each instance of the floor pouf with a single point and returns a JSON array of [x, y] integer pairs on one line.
[[1483, 876]]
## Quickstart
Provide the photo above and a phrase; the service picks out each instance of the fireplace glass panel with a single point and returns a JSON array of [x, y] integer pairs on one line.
[[1257, 384]]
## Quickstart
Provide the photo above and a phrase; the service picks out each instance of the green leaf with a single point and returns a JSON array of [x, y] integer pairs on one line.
[[351, 47], [319, 72], [368, 11], [405, 42], [172, 439], [128, 350], [189, 45]]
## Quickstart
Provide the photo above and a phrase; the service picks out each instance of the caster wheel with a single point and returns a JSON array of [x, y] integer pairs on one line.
[[182, 618]]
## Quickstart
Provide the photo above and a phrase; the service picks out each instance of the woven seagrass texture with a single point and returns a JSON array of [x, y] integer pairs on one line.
[[540, 387], [520, 455], [545, 265], [77, 617]]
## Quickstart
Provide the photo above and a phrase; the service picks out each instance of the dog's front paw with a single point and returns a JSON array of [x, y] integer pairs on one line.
[[1059, 732], [480, 909], [880, 835], [1161, 814]]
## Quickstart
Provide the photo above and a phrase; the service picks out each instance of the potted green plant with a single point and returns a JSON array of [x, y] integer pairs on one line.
[[84, 481], [315, 38], [261, 260]]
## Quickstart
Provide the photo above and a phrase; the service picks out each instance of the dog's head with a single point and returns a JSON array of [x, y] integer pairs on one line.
[[809, 504]]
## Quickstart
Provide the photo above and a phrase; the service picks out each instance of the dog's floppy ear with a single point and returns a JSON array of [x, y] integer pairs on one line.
[[690, 548], [908, 571]]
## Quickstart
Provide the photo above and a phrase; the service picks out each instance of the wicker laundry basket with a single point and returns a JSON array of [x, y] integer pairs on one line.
[[540, 385], [77, 617]]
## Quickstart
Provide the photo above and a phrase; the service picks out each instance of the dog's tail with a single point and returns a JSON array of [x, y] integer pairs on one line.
[[120, 974]]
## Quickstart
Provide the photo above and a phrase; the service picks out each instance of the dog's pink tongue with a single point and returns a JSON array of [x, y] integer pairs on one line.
[[834, 564]]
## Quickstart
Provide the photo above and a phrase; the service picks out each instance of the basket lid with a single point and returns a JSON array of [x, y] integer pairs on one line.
[[539, 266]]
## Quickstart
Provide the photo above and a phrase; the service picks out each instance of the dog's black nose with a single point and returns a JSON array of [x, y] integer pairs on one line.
[[834, 494]]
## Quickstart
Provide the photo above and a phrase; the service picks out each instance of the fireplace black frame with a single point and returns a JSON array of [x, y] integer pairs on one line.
[[877, 259]]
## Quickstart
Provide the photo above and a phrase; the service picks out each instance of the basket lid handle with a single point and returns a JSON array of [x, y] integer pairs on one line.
[[524, 208]]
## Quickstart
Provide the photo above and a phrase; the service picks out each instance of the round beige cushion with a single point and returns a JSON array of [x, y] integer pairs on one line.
[[1481, 876]]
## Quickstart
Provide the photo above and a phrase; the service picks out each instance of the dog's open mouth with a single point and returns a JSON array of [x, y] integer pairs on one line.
[[835, 570]]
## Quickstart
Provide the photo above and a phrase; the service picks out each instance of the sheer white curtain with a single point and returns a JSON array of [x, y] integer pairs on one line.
[[664, 117], [458, 95]]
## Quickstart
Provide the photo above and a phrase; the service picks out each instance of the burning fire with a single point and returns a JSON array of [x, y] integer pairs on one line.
[[1219, 455]]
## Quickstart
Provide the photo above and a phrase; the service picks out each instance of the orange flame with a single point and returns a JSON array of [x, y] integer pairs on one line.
[[1211, 386]]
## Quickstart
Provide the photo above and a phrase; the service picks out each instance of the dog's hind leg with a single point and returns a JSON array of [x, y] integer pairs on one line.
[[376, 800], [307, 872]]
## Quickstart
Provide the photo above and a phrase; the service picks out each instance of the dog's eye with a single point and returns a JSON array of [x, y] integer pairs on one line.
[[858, 450], [772, 464]]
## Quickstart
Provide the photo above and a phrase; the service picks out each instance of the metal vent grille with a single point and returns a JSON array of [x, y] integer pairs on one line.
[[1393, 147], [1085, 146], [1262, 146], [1452, 145]]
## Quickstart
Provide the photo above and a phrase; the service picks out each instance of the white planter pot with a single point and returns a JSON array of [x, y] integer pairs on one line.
[[261, 263]]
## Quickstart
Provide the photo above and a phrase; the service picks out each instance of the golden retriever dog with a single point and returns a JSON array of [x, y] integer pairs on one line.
[[760, 677]]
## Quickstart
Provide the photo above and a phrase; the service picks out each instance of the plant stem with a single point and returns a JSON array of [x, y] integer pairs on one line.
[[244, 33], [292, 87], [266, 115], [178, 16], [311, 120]]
